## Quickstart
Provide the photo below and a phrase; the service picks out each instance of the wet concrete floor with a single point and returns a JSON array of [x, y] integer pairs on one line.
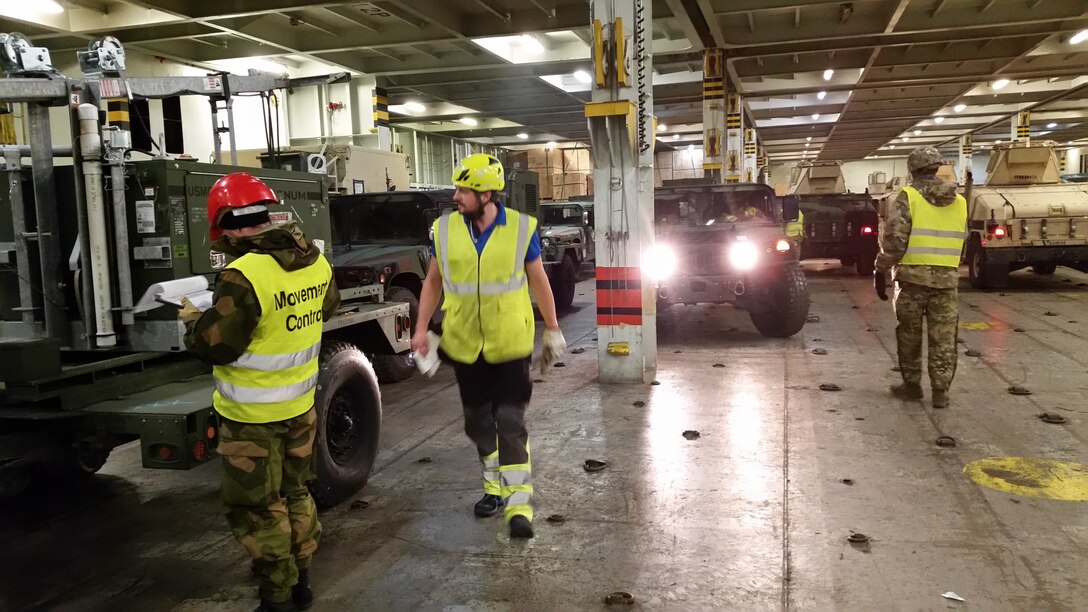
[[754, 514]]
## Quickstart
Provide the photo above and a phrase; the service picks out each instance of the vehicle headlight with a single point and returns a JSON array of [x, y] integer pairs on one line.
[[659, 262], [743, 255]]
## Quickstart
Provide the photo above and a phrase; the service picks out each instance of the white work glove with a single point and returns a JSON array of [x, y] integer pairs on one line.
[[426, 355], [555, 346]]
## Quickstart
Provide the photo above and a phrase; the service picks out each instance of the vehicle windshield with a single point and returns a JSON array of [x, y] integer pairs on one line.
[[836, 203], [709, 207], [562, 215], [396, 219]]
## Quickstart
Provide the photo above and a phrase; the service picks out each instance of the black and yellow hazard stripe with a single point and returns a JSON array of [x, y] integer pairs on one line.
[[117, 113], [1023, 131], [712, 64], [713, 88], [966, 149], [381, 107], [749, 149]]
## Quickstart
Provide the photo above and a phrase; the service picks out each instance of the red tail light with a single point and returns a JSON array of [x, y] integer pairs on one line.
[[999, 232], [866, 230], [200, 450]]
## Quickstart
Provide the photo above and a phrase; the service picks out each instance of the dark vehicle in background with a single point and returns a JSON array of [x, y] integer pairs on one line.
[[726, 244], [385, 238], [837, 224], [566, 239]]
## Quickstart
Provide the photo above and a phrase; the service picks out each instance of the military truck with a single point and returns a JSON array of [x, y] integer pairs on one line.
[[709, 250], [92, 256], [566, 239], [837, 224], [1024, 216], [385, 237]]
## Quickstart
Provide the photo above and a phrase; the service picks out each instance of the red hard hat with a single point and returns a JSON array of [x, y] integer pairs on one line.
[[236, 190]]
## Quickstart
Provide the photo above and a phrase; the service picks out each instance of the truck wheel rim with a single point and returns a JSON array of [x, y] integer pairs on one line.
[[341, 429]]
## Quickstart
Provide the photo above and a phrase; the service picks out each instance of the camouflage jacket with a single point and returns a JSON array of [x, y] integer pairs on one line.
[[895, 233], [224, 331]]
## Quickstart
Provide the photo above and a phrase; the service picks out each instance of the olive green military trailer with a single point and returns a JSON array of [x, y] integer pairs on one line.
[[88, 254]]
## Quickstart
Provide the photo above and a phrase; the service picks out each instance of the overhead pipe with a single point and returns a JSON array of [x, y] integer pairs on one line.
[[119, 145], [90, 147]]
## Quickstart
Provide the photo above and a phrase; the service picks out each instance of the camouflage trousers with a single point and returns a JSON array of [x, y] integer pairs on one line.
[[269, 508], [495, 398], [939, 308]]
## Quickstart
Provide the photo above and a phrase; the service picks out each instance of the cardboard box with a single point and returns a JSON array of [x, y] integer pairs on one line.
[[517, 159], [565, 192], [570, 178], [577, 160], [545, 190], [538, 158]]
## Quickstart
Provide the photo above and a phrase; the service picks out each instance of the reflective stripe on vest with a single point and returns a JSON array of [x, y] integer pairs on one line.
[[274, 379], [487, 306], [937, 232]]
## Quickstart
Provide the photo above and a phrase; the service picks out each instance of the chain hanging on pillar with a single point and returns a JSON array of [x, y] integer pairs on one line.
[[966, 150], [1021, 130], [749, 155], [713, 115], [734, 130]]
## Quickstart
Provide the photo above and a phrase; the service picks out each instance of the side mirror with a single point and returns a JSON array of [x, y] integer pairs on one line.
[[791, 206]]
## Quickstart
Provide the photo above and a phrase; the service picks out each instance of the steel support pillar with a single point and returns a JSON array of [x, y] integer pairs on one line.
[[750, 155], [47, 227], [734, 137], [381, 119], [620, 118], [713, 114], [966, 150], [1021, 127]]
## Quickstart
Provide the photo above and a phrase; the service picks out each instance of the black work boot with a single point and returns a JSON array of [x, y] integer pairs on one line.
[[907, 391], [301, 593], [520, 527], [488, 506], [273, 606]]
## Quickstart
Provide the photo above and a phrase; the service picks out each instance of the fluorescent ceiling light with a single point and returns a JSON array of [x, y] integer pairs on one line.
[[415, 107], [661, 127], [52, 8], [807, 145], [691, 147], [523, 136], [938, 119], [531, 44], [821, 95], [1044, 133], [582, 76], [468, 121], [550, 145], [1052, 125], [891, 146], [917, 132], [676, 136], [809, 139], [828, 74], [959, 108], [815, 116], [1079, 37], [997, 142], [999, 84], [906, 139]]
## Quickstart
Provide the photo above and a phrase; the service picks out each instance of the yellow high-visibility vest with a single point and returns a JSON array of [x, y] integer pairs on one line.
[[937, 232], [487, 307], [796, 229], [274, 379]]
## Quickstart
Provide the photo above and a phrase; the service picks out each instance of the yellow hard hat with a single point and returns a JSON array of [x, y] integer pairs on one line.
[[480, 172]]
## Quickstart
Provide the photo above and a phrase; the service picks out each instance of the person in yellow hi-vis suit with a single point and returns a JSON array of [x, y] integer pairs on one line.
[[486, 259], [921, 241], [262, 337]]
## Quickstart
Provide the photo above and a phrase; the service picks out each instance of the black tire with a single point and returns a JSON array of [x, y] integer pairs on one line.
[[982, 274], [784, 306], [395, 368], [563, 282], [1044, 269], [349, 419], [865, 264]]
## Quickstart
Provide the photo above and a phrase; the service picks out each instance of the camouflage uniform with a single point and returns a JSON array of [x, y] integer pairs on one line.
[[923, 292], [265, 465]]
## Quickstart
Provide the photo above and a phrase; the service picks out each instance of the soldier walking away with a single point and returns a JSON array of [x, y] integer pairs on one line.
[[922, 240], [485, 262], [263, 339]]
